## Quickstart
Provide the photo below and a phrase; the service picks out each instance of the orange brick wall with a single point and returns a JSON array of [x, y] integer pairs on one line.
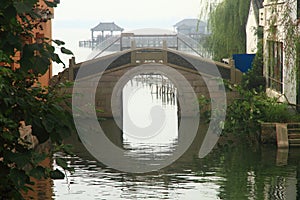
[[47, 32]]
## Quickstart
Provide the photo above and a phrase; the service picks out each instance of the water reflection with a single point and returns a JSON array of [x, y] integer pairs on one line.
[[140, 95], [229, 172], [256, 175]]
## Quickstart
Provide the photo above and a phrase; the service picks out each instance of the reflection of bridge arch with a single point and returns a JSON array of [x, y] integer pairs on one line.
[[131, 58]]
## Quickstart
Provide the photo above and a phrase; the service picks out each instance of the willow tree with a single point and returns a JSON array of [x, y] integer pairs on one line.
[[227, 24]]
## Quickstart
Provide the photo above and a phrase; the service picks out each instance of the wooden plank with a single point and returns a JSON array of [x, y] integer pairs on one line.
[[294, 136], [294, 145], [294, 141], [282, 135]]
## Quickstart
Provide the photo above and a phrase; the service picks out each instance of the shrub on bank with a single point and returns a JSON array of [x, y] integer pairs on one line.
[[245, 114]]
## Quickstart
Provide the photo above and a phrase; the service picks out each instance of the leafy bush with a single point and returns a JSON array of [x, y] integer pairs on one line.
[[38, 107], [254, 79], [245, 114], [23, 99]]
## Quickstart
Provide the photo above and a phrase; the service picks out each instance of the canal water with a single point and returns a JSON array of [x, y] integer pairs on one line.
[[232, 171]]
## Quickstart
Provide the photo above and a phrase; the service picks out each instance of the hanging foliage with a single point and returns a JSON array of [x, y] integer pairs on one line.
[[227, 24], [30, 115]]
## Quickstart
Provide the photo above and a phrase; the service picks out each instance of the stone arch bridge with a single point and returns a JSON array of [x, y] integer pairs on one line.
[[200, 74]]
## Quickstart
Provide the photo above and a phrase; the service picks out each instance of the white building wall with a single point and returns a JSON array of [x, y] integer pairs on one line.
[[251, 29], [289, 75]]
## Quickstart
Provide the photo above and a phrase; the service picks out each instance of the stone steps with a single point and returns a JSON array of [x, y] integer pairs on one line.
[[285, 135], [293, 130], [293, 136]]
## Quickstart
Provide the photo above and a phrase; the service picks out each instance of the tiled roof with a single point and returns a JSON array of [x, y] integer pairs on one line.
[[107, 26], [190, 23], [257, 4]]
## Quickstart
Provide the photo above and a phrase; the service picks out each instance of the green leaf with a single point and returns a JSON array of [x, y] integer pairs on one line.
[[50, 49], [20, 159], [38, 157], [10, 12], [22, 99], [56, 174], [7, 136], [38, 172], [48, 124], [19, 177], [61, 162], [56, 108], [57, 59], [64, 131], [4, 57], [66, 51], [50, 4], [67, 148], [39, 131], [58, 42], [41, 65], [24, 6]]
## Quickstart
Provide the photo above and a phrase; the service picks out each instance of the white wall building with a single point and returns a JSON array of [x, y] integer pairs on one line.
[[252, 26], [277, 17]]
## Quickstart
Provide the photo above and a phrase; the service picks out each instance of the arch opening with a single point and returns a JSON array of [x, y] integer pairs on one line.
[[141, 96]]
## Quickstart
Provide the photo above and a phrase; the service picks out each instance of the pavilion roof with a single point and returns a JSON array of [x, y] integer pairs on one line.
[[189, 23], [107, 26], [257, 4]]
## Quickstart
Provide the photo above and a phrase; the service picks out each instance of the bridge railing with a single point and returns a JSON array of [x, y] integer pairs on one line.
[[149, 41], [194, 46], [106, 44], [177, 41]]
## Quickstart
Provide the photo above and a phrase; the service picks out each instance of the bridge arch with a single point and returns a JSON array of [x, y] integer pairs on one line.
[[113, 67]]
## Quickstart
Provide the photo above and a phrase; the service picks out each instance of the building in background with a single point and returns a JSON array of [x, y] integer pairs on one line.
[[193, 28], [252, 26], [190, 33], [106, 30], [109, 27]]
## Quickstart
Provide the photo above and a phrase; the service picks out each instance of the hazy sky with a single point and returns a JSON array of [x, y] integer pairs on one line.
[[126, 13], [73, 19]]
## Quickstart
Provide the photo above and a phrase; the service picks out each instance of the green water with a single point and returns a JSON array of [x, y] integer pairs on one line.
[[229, 172], [233, 171]]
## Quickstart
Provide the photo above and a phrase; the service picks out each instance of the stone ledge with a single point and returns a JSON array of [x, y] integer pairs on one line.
[[268, 133]]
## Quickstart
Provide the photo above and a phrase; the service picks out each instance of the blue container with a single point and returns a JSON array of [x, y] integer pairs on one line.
[[243, 62]]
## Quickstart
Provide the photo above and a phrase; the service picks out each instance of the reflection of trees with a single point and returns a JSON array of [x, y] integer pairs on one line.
[[252, 174], [160, 86], [239, 171]]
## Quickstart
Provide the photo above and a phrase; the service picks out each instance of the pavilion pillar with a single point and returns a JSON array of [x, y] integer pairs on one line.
[[92, 43]]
